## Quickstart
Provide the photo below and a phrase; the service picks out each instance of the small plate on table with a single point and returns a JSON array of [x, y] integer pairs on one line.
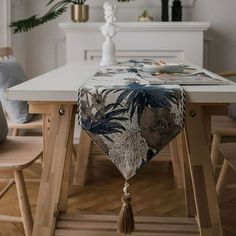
[[150, 68], [172, 68], [163, 68]]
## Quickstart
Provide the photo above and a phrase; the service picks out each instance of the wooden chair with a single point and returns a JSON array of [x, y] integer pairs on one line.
[[223, 130], [5, 53], [17, 153], [222, 126], [36, 122], [228, 151]]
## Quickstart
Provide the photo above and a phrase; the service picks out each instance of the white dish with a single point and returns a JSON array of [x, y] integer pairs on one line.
[[165, 68], [150, 68], [172, 68]]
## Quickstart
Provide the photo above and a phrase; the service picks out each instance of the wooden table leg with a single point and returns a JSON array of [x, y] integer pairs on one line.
[[82, 159], [202, 176], [47, 210], [46, 130], [189, 196], [67, 177], [177, 161]]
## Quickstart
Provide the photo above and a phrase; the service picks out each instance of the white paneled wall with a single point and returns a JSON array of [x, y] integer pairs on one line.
[[222, 15]]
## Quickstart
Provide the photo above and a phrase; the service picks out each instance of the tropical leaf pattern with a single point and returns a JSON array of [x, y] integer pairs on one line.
[[128, 118]]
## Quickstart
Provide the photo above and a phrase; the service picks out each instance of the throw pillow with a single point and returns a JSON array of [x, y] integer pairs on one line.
[[12, 74]]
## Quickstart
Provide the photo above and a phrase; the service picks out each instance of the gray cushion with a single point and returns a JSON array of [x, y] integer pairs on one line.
[[12, 74], [3, 125], [232, 110]]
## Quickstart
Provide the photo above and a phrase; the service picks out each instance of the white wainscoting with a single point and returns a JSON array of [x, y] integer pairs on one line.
[[170, 55], [59, 49]]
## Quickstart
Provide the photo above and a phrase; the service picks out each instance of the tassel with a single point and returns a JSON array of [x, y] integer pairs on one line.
[[126, 218]]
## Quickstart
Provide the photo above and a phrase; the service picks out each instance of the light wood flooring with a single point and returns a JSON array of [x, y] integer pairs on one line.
[[152, 190]]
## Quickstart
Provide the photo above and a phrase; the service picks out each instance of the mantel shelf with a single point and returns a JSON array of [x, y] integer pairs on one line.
[[139, 26]]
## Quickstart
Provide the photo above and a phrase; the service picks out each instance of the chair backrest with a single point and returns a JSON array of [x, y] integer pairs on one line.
[[5, 53], [17, 111], [231, 75]]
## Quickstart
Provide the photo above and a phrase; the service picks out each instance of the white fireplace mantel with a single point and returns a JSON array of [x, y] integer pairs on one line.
[[171, 41], [139, 26]]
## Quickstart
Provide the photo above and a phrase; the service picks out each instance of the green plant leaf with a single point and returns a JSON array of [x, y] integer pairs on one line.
[[34, 21], [51, 1], [56, 10]]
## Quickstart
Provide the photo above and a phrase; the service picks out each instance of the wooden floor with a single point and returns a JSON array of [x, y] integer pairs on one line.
[[152, 190]]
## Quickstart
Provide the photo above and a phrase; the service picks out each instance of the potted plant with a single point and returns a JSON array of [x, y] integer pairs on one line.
[[78, 8], [79, 13]]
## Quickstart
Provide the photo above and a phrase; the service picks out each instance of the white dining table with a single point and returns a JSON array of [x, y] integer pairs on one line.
[[55, 95]]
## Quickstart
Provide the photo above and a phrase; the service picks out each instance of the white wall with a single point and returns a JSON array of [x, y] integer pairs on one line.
[[45, 45], [44, 42], [18, 41], [4, 22], [222, 15]]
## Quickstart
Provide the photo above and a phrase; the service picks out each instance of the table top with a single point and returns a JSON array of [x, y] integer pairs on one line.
[[62, 84]]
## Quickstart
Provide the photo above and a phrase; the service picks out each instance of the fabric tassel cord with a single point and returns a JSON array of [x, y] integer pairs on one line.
[[126, 223]]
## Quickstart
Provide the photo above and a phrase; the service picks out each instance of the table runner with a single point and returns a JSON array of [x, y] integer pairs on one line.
[[130, 120]]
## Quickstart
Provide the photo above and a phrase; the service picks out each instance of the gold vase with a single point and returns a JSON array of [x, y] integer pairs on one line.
[[79, 13]]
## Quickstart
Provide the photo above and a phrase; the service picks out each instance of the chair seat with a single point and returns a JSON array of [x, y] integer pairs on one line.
[[35, 123], [20, 152], [229, 152], [223, 125]]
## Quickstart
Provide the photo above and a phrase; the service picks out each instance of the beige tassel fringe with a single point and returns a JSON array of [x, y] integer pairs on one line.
[[126, 218]]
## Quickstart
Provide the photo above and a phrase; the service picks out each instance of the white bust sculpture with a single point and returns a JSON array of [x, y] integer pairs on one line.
[[109, 30]]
